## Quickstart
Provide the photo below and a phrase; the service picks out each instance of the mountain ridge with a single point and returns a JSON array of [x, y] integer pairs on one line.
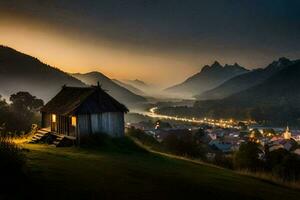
[[208, 78], [244, 81], [276, 99]]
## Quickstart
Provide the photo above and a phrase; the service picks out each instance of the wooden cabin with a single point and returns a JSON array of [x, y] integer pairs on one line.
[[77, 112]]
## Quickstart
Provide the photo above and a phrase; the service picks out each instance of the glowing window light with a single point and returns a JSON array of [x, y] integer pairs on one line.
[[73, 121], [53, 118]]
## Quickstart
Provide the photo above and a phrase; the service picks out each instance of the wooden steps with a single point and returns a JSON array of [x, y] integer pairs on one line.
[[57, 140], [64, 141], [40, 135]]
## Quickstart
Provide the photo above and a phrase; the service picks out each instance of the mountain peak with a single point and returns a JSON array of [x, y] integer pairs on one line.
[[216, 64], [237, 65], [280, 63]]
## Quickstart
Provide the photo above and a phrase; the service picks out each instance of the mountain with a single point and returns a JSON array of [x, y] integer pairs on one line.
[[21, 72], [245, 81], [209, 77], [277, 99], [129, 87], [137, 83], [117, 91], [141, 85]]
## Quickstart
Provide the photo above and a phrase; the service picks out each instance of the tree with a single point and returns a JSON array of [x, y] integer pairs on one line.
[[247, 157], [24, 109], [283, 164], [199, 136], [25, 102], [4, 114], [183, 145]]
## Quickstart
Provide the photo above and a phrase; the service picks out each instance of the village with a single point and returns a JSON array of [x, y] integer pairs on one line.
[[223, 136]]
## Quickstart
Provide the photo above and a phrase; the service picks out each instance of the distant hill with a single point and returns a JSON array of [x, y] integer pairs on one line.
[[209, 77], [21, 72], [137, 83], [120, 93], [141, 85], [129, 87], [245, 81]]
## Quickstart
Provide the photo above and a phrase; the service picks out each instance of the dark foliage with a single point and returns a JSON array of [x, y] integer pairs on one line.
[[248, 157], [283, 164], [13, 166], [16, 118]]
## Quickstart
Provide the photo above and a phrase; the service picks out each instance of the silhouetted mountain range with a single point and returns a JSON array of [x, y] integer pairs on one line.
[[245, 81], [21, 72], [277, 99], [114, 89], [209, 77]]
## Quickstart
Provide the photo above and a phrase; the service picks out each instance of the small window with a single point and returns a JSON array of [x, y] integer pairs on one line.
[[73, 121], [53, 118]]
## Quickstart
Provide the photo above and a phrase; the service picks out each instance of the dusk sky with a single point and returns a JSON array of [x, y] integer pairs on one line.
[[158, 41]]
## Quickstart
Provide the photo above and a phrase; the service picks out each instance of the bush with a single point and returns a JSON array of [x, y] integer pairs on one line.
[[186, 145], [247, 157], [284, 165], [13, 164]]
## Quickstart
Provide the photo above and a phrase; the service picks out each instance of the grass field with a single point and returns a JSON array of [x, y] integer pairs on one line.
[[132, 173]]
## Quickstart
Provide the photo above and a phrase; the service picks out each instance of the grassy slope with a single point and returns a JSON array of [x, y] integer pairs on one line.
[[93, 174]]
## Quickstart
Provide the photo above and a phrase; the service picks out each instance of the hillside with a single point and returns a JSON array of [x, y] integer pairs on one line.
[[129, 87], [120, 93], [209, 77], [21, 72], [245, 81], [125, 172]]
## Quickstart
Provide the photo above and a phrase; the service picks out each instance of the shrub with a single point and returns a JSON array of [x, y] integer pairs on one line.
[[13, 164], [284, 165], [247, 157], [185, 145]]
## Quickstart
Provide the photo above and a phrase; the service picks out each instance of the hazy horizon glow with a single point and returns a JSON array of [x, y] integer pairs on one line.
[[158, 42]]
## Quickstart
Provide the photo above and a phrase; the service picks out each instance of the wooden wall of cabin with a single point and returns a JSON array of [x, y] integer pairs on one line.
[[111, 123], [63, 126]]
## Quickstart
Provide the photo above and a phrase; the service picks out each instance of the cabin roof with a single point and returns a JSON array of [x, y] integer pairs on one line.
[[83, 100]]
